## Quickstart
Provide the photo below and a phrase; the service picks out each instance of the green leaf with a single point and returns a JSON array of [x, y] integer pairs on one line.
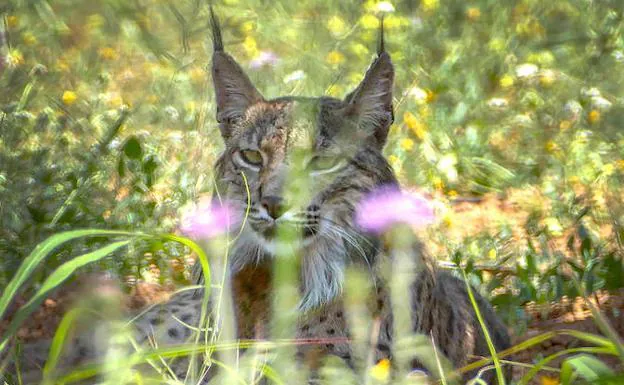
[[586, 366], [132, 148]]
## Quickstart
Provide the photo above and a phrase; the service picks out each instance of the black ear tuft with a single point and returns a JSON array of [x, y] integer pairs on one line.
[[217, 41], [380, 43]]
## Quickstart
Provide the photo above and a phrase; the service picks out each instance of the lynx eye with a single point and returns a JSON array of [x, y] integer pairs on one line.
[[251, 158], [324, 164]]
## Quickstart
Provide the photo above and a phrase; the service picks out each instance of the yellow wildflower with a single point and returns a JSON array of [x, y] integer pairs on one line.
[[62, 66], [431, 96], [369, 21], [492, 253], [452, 194], [546, 380], [564, 125], [381, 371], [551, 146], [12, 21], [251, 46], [506, 81], [395, 162], [594, 116], [407, 144], [114, 100], [438, 183], [190, 106], [29, 39], [336, 25], [335, 57], [553, 226], [430, 5], [108, 53], [547, 78], [424, 110], [197, 75], [14, 58], [69, 97], [473, 13], [370, 5], [247, 27], [415, 125], [608, 169], [447, 219]]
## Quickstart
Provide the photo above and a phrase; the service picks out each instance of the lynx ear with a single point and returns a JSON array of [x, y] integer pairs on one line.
[[371, 102], [234, 91]]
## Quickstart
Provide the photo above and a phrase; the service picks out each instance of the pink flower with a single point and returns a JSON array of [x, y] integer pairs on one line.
[[389, 206], [208, 219], [264, 58]]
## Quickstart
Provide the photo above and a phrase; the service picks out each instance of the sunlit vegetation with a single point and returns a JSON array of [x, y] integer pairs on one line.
[[508, 116]]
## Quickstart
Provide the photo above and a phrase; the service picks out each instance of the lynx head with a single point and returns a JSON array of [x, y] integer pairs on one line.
[[302, 164]]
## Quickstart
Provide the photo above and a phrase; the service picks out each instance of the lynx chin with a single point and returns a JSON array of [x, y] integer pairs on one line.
[[293, 171]]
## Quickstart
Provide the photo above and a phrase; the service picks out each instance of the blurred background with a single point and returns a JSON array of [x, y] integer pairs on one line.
[[508, 116]]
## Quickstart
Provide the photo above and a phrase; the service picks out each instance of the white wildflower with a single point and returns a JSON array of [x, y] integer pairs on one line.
[[384, 7], [497, 103], [601, 104], [526, 70], [419, 95], [172, 113], [572, 109]]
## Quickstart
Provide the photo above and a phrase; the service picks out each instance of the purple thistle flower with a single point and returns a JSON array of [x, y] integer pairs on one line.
[[264, 58], [389, 206], [208, 219]]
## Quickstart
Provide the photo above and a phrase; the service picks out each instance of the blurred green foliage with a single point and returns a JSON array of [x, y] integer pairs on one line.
[[107, 115]]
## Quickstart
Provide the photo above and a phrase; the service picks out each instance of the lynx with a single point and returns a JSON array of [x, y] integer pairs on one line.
[[336, 147]]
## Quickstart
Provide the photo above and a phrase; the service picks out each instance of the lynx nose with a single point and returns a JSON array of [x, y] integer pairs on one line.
[[274, 205]]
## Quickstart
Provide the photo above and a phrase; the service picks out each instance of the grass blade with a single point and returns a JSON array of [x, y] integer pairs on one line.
[[499, 370], [588, 367]]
